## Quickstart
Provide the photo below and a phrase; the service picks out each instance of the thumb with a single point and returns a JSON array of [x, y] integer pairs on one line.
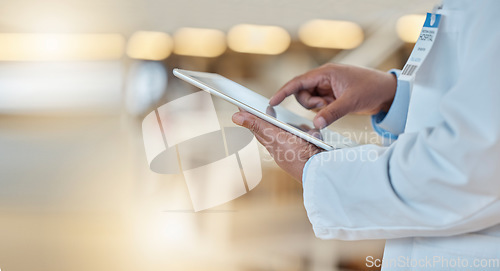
[[334, 111]]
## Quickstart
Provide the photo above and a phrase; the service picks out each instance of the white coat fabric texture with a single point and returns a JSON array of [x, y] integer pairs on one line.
[[435, 191]]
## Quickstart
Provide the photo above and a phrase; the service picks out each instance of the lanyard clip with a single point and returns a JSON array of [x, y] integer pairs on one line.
[[434, 11]]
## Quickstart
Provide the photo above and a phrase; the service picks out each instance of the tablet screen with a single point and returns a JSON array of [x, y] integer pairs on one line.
[[258, 102]]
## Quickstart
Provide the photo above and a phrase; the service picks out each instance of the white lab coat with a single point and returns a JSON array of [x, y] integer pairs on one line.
[[435, 192]]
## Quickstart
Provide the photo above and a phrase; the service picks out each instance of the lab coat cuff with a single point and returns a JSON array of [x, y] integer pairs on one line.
[[391, 124], [309, 174]]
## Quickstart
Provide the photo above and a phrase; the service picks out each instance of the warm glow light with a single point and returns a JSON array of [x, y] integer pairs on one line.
[[61, 86], [60, 47], [199, 42], [258, 39], [331, 34], [408, 27], [150, 45]]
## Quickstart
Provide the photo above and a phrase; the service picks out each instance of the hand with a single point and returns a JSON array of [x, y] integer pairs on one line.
[[336, 90], [289, 151]]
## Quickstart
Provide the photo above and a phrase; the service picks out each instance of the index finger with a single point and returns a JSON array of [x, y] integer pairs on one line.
[[303, 82]]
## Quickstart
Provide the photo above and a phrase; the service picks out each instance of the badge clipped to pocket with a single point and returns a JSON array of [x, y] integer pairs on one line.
[[422, 47]]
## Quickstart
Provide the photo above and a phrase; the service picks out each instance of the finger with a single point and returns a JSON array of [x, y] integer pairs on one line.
[[263, 130], [316, 133], [309, 101], [333, 112], [303, 82], [304, 127]]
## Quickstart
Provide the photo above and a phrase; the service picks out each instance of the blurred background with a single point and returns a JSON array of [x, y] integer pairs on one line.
[[76, 79]]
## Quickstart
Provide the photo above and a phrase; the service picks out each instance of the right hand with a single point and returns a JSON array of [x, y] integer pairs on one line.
[[336, 90]]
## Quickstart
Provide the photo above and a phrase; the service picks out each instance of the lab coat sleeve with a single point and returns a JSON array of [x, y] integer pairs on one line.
[[440, 181], [392, 123]]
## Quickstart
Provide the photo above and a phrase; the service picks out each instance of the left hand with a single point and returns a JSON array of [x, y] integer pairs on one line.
[[289, 151]]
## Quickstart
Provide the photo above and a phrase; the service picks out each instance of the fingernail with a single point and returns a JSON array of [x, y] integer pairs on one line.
[[320, 123], [238, 119], [320, 104]]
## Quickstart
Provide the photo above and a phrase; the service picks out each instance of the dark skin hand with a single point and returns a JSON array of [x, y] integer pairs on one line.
[[288, 151], [337, 90], [333, 91]]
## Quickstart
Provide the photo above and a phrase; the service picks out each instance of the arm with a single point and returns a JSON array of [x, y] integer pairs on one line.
[[435, 182]]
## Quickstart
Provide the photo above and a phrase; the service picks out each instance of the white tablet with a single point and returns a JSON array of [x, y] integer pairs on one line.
[[258, 105]]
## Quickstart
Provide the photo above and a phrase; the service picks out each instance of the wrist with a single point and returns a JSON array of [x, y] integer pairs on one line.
[[389, 87], [304, 157], [304, 167]]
